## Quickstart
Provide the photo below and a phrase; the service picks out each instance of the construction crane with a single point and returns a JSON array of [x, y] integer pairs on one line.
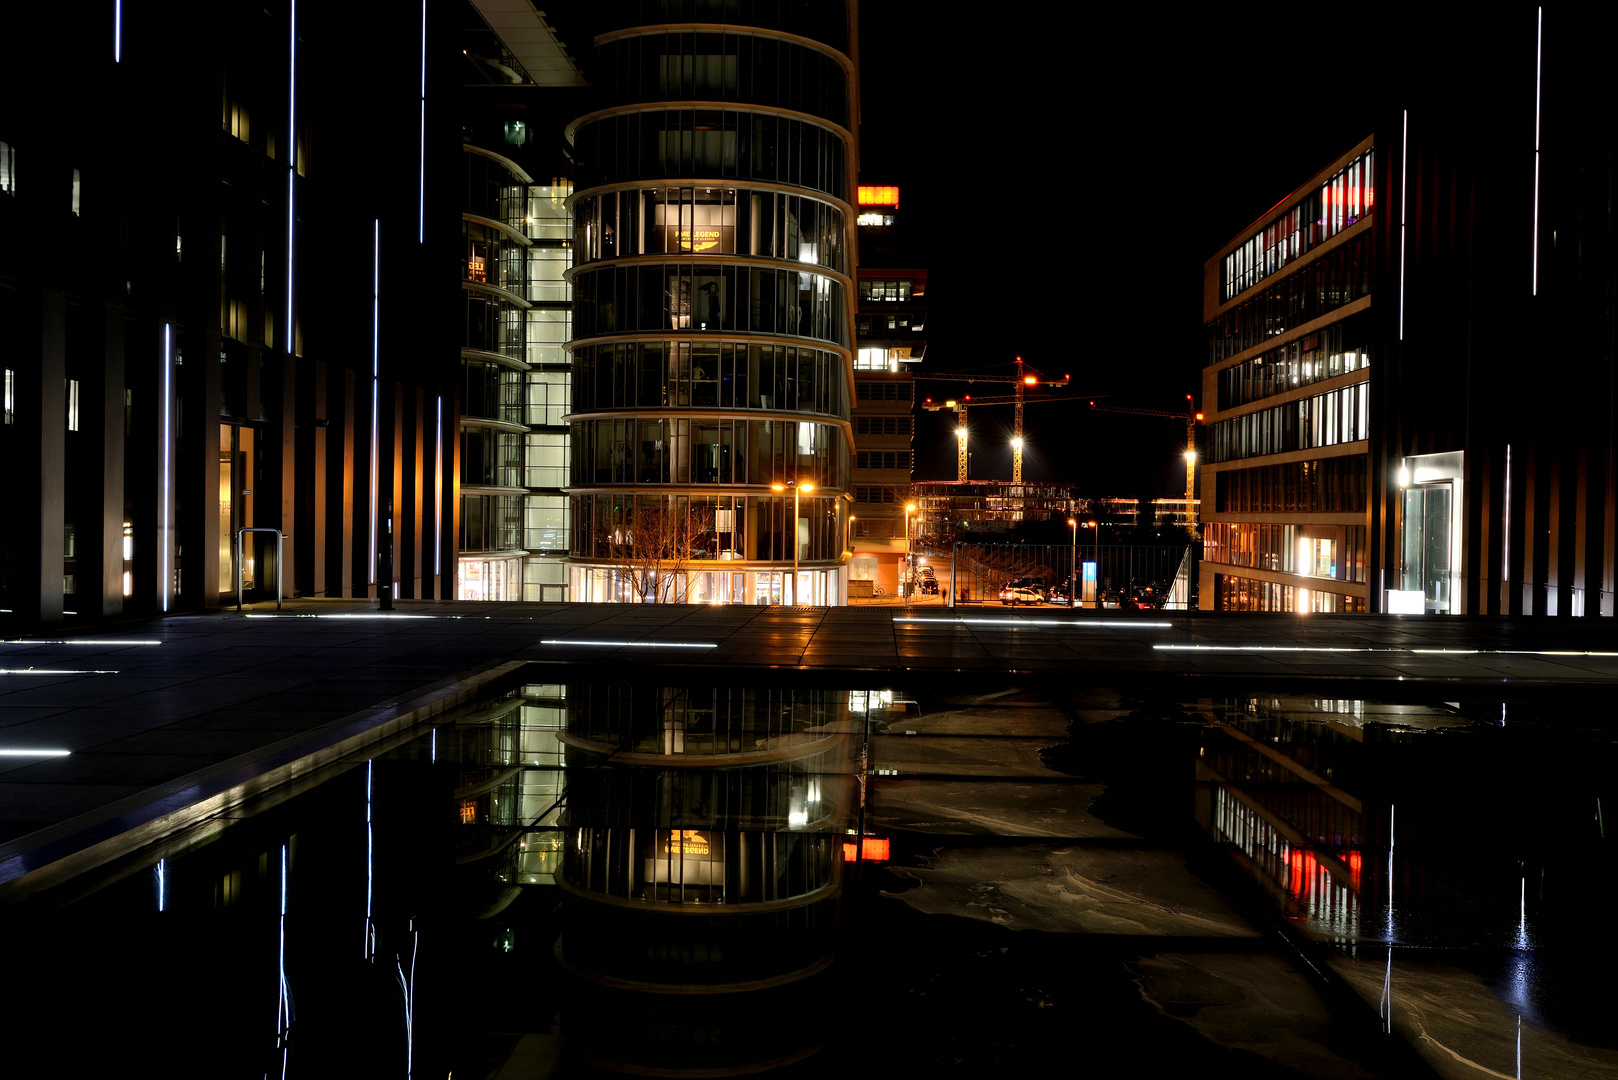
[[1022, 381], [1192, 418]]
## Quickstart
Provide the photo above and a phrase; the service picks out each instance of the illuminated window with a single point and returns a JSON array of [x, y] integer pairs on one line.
[[73, 404], [75, 193], [11, 396], [8, 169]]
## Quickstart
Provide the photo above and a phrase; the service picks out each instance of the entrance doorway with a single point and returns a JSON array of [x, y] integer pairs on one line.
[[1426, 543]]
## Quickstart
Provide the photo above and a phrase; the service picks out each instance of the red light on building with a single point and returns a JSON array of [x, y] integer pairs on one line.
[[875, 849], [872, 195]]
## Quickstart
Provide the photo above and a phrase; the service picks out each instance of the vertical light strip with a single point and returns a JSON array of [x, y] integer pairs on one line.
[[438, 492], [376, 332], [1404, 169], [1505, 558], [1539, 49], [165, 587], [421, 150], [117, 31], [292, 162], [162, 885], [370, 862], [283, 1002]]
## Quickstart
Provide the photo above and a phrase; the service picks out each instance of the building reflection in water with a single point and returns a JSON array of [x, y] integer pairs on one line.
[[699, 836], [703, 846], [1402, 834]]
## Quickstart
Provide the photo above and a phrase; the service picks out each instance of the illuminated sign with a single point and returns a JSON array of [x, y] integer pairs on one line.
[[686, 842], [870, 195], [694, 238]]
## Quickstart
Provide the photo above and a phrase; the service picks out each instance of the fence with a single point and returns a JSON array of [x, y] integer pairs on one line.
[[1122, 571]]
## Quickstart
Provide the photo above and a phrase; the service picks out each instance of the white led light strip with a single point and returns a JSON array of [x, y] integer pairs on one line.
[[1539, 46], [376, 331]]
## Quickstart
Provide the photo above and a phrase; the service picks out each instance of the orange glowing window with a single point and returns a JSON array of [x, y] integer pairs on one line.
[[870, 195], [876, 849]]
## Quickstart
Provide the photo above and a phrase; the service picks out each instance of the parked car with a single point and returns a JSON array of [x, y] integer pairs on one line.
[[1014, 594], [929, 586]]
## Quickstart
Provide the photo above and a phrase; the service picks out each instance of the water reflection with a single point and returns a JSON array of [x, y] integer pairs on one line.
[[640, 877], [1488, 868], [703, 856]]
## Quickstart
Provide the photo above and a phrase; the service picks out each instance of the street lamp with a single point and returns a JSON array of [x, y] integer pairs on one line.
[[795, 488], [1073, 565], [910, 555]]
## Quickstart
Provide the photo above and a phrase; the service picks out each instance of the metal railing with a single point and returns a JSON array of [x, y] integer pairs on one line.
[[1122, 571]]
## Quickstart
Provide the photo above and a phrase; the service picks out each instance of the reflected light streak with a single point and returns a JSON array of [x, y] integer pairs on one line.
[[372, 615], [283, 1002], [75, 641], [166, 586], [634, 644], [57, 671], [1037, 624], [370, 863], [162, 884], [35, 753]]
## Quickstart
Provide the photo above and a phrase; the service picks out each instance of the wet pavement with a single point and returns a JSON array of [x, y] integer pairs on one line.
[[1174, 831]]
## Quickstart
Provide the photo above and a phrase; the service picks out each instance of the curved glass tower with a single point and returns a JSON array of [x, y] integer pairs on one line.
[[713, 302]]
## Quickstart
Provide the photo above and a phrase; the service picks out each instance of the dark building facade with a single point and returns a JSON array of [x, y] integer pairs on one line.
[[1411, 373], [218, 311], [713, 305]]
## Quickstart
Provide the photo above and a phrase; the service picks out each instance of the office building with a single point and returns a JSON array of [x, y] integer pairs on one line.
[[713, 306], [521, 81], [1410, 379], [217, 316], [891, 330]]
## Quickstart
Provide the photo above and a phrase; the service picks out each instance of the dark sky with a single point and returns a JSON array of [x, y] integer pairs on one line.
[[1064, 177]]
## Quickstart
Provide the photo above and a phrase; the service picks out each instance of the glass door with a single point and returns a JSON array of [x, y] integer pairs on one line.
[[1426, 544]]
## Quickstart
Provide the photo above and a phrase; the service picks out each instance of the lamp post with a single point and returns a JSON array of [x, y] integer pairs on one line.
[[910, 554], [1073, 565], [795, 488]]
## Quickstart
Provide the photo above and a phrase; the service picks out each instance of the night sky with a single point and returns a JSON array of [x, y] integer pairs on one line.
[[1064, 177]]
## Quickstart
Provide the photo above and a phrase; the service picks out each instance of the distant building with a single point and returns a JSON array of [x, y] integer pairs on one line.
[[891, 333], [948, 509], [1411, 384]]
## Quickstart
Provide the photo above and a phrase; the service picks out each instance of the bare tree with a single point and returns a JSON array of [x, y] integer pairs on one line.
[[656, 538]]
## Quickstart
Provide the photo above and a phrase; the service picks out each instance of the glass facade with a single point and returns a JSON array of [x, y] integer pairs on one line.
[[1327, 551], [1294, 535], [711, 220], [1328, 485], [728, 66], [737, 306], [1338, 277], [709, 374], [516, 382], [1339, 349], [1340, 416], [712, 144], [1341, 201]]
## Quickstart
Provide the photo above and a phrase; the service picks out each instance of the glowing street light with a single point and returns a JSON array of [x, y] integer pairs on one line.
[[910, 555], [1073, 565]]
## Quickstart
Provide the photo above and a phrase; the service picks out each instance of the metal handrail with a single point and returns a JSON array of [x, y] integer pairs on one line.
[[280, 541]]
